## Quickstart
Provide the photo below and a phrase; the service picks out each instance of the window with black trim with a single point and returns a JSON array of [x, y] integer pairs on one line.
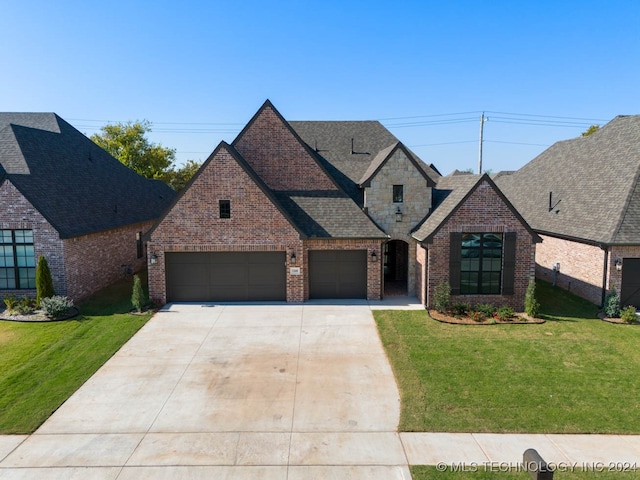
[[398, 193], [139, 246], [481, 263], [225, 208], [17, 260]]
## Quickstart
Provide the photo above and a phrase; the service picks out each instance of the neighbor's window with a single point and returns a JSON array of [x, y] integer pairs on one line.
[[225, 208], [17, 259], [398, 193], [481, 263], [139, 246]]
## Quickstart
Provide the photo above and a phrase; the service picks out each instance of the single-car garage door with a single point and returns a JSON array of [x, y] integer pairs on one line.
[[225, 276], [630, 290], [338, 274]]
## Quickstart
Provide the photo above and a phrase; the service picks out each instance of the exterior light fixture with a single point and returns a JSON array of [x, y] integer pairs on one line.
[[374, 256], [618, 264], [293, 258], [398, 215], [153, 259]]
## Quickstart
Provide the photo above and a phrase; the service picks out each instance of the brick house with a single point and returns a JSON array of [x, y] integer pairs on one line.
[[582, 196], [304, 210], [64, 197]]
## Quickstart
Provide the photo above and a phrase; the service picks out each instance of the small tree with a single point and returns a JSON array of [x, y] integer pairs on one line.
[[138, 298], [442, 297], [44, 282], [612, 303], [531, 304]]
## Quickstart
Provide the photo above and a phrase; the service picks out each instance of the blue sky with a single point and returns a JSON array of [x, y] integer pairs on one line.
[[542, 70]]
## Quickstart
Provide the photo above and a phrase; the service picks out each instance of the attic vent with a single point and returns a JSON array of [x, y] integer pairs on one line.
[[89, 157], [352, 152], [552, 205]]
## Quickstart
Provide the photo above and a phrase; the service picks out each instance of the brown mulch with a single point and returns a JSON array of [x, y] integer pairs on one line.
[[38, 316], [618, 321], [518, 319]]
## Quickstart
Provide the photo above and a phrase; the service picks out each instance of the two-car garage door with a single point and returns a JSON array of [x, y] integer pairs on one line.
[[225, 276], [261, 276]]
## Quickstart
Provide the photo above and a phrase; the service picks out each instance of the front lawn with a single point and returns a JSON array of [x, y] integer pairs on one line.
[[572, 374], [44, 363]]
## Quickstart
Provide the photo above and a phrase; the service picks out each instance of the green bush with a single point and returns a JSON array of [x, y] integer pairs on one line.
[[26, 306], [612, 303], [44, 282], [477, 316], [505, 313], [10, 301], [442, 297], [56, 306], [461, 308], [628, 314], [486, 309], [138, 298], [531, 304]]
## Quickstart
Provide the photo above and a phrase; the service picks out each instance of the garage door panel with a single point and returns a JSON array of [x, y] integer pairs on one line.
[[225, 276], [338, 274]]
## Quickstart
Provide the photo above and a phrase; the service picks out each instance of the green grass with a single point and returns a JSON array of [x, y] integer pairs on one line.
[[44, 363], [572, 374], [432, 473]]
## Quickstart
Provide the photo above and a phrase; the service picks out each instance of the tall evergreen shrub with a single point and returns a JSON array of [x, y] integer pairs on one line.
[[44, 282], [531, 304], [138, 298]]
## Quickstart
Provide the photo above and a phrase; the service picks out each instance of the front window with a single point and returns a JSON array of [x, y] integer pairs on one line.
[[17, 259], [225, 208], [398, 193], [481, 263]]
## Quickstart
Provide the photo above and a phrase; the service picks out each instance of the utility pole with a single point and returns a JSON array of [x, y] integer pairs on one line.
[[482, 120]]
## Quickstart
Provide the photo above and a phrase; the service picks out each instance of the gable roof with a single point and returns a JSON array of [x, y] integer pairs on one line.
[[350, 149], [78, 187], [586, 188], [449, 195], [378, 162]]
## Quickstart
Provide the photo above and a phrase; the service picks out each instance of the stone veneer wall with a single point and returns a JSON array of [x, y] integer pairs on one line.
[[484, 211], [96, 260]]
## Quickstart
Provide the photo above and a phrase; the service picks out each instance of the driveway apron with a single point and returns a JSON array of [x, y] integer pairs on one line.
[[270, 391]]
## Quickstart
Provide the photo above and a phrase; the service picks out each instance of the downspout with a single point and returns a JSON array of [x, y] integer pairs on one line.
[[604, 276]]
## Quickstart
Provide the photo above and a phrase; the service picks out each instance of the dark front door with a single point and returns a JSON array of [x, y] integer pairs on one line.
[[396, 267], [225, 276], [630, 291], [338, 274]]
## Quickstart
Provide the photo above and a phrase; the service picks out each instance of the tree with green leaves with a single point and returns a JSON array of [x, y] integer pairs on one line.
[[178, 178], [590, 130], [128, 143], [44, 282]]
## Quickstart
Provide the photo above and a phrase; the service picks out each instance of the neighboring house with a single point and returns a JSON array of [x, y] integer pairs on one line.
[[65, 198], [303, 210], [582, 196]]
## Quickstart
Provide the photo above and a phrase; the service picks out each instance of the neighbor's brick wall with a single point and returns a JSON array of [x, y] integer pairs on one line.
[[615, 277], [17, 213], [96, 260], [193, 224], [374, 269], [581, 266], [484, 211], [398, 170], [278, 157]]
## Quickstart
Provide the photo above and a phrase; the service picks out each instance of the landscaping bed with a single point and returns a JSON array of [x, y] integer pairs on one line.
[[518, 318]]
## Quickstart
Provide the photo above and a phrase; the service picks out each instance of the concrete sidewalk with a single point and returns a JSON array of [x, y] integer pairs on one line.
[[264, 392]]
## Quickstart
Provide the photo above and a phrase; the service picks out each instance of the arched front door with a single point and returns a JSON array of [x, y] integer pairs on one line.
[[396, 267]]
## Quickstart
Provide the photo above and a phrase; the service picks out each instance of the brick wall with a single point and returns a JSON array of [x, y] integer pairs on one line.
[[18, 213], [581, 266], [484, 211], [421, 273], [278, 157], [194, 223], [374, 268], [96, 260]]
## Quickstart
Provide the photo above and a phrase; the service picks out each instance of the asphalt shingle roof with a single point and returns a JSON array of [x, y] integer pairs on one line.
[[78, 187], [593, 182]]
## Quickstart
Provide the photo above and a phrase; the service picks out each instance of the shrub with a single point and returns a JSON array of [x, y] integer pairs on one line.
[[477, 316], [44, 282], [486, 309], [442, 297], [531, 304], [612, 303], [138, 298], [55, 306], [504, 313], [10, 301], [628, 314], [460, 308], [26, 306]]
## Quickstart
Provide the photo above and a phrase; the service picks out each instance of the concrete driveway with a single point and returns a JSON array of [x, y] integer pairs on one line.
[[230, 392]]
